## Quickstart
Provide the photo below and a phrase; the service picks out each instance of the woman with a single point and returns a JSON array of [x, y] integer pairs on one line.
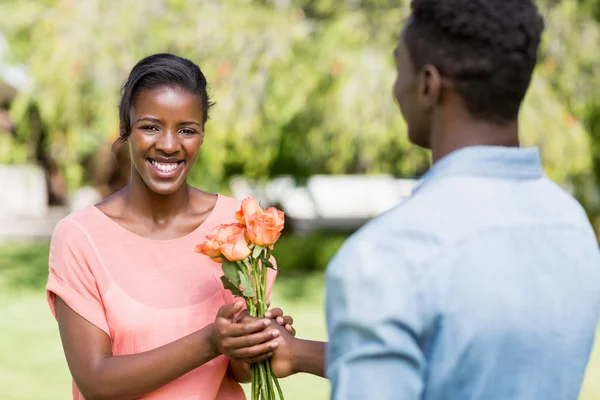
[[139, 312]]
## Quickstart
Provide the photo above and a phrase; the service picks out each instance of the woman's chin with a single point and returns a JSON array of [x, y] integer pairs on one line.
[[165, 188]]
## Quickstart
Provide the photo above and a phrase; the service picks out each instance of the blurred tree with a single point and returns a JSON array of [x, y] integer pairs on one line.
[[302, 87]]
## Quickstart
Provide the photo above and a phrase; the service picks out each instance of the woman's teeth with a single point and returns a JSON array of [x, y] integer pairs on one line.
[[165, 167]]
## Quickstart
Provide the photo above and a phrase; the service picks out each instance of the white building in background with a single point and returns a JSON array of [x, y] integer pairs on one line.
[[328, 202], [12, 76], [23, 188]]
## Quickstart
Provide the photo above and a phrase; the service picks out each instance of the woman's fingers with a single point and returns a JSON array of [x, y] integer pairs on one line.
[[247, 326], [258, 352], [243, 342]]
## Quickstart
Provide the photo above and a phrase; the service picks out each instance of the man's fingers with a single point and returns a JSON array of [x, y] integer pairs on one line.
[[274, 313], [291, 330], [228, 311], [285, 320]]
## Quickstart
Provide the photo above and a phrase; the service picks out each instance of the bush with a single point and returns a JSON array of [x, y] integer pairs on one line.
[[297, 254]]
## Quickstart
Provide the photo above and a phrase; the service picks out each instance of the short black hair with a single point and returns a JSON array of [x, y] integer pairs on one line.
[[487, 48], [161, 70]]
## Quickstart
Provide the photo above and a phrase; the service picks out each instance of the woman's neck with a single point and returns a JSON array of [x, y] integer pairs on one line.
[[142, 202]]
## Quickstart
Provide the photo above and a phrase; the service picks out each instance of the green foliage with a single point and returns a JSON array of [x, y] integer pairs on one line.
[[302, 87], [301, 254], [11, 150], [23, 266]]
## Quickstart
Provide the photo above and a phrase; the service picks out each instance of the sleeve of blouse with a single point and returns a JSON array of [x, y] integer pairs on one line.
[[71, 278]]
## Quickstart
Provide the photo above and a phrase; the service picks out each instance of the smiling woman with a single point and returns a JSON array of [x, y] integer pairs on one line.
[[164, 143], [141, 315]]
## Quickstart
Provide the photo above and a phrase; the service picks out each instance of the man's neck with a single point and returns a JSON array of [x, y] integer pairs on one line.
[[453, 133]]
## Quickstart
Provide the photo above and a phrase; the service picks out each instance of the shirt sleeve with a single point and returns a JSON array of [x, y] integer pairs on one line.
[[375, 319], [71, 278]]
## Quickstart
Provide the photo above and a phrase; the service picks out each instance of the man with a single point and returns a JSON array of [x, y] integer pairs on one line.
[[486, 283]]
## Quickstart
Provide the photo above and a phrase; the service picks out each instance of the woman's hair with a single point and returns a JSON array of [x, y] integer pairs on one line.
[[156, 71]]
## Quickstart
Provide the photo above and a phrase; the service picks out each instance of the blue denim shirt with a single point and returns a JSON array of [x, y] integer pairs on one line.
[[485, 284]]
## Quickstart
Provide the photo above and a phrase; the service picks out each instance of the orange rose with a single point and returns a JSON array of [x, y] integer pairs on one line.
[[210, 248], [227, 240], [232, 242], [249, 207], [264, 227]]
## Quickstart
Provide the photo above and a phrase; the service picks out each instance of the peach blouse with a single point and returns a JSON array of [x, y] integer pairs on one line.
[[144, 293]]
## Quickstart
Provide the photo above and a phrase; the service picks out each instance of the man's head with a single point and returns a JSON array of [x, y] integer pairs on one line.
[[481, 51]]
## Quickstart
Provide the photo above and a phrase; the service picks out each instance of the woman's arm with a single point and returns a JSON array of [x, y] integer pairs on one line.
[[100, 375]]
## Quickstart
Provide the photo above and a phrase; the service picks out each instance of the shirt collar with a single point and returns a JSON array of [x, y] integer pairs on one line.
[[490, 161]]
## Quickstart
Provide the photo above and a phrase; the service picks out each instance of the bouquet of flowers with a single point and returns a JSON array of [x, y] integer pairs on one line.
[[244, 250]]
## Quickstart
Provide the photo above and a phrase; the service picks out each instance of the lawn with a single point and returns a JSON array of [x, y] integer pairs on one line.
[[32, 365]]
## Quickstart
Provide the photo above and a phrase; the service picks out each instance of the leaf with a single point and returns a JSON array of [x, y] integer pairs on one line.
[[230, 270], [267, 263], [248, 288], [257, 251], [231, 287]]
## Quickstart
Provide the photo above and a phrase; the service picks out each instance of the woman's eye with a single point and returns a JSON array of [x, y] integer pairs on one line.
[[188, 131], [149, 128]]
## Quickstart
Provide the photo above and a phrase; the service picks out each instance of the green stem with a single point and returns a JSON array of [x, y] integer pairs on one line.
[[268, 380], [255, 382], [264, 276], [263, 382]]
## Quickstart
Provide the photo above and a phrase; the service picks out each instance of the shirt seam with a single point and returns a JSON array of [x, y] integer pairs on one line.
[[95, 249], [459, 244], [65, 282]]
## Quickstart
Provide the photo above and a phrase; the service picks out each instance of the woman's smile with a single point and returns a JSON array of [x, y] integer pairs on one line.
[[165, 168]]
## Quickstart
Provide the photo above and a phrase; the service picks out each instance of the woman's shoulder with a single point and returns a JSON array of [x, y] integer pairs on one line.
[[78, 224]]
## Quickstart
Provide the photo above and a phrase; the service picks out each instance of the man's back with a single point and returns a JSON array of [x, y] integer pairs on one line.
[[492, 277]]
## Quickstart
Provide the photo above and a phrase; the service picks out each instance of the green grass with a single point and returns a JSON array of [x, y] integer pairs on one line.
[[32, 365]]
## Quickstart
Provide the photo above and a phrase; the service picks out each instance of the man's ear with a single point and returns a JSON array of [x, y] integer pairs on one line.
[[429, 86]]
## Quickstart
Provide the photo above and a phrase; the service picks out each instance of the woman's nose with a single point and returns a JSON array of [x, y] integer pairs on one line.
[[168, 142]]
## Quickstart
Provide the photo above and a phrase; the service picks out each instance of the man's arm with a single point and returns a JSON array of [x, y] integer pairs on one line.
[[298, 356], [375, 317]]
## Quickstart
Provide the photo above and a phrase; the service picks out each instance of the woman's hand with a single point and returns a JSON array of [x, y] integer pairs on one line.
[[247, 340]]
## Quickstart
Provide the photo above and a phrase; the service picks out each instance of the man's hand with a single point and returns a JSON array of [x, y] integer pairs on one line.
[[283, 320], [282, 362]]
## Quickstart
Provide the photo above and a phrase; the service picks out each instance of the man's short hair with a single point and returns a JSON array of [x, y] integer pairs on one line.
[[487, 48]]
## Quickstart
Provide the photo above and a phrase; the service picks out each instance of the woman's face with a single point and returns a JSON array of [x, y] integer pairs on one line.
[[166, 135]]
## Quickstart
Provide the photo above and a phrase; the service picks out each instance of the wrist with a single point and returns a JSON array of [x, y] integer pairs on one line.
[[296, 348], [308, 357], [214, 340]]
